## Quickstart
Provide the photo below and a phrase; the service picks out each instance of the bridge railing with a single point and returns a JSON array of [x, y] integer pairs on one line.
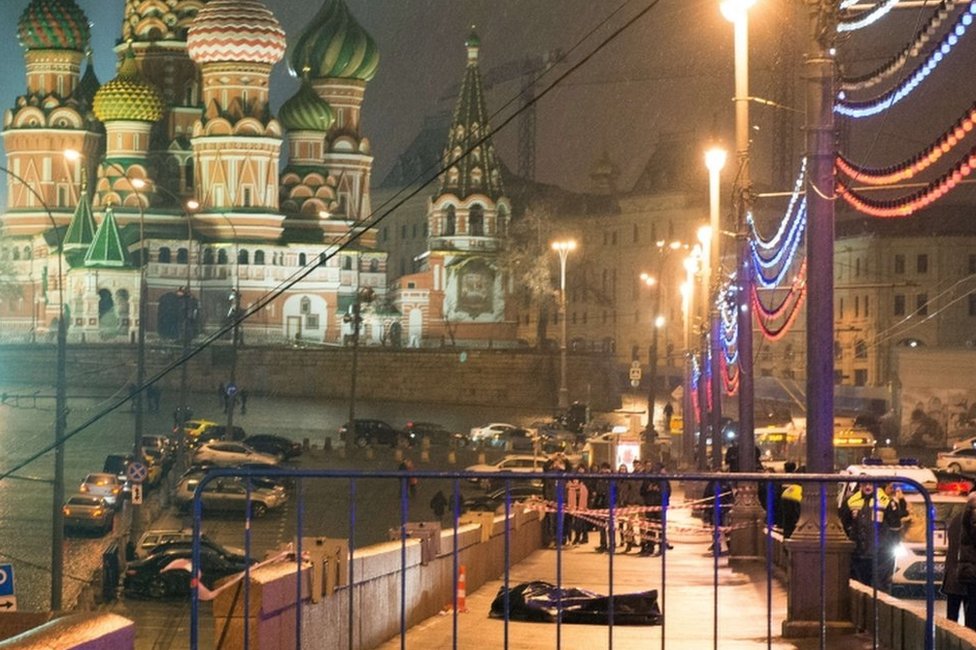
[[645, 517]]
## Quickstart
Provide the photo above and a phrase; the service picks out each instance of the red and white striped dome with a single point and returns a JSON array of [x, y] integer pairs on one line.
[[242, 31]]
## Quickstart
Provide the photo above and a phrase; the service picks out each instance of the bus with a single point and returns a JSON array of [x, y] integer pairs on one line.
[[852, 446], [778, 444]]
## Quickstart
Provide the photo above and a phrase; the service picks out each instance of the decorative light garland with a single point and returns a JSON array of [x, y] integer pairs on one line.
[[892, 97], [867, 18], [798, 285], [775, 334], [784, 258], [787, 218], [948, 141], [910, 51], [730, 381], [914, 202]]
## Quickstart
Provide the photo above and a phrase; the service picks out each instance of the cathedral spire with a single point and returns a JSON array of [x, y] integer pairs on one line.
[[107, 249], [477, 172]]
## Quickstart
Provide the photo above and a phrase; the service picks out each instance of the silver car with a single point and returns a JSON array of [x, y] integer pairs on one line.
[[85, 512], [104, 485]]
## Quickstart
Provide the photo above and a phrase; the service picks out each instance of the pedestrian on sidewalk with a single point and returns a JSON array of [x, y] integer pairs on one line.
[[243, 396], [654, 492], [601, 501], [577, 501], [629, 500], [438, 504]]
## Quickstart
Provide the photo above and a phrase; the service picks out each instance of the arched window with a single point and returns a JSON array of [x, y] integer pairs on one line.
[[27, 252], [450, 220], [322, 259], [182, 256], [259, 258], [189, 181], [243, 257], [16, 252], [347, 262], [305, 306], [208, 256], [221, 256], [860, 349], [476, 220], [374, 266], [302, 259], [164, 255]]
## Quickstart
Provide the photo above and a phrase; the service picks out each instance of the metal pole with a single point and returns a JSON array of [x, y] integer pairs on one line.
[[355, 364], [652, 374], [563, 388], [713, 320], [60, 411]]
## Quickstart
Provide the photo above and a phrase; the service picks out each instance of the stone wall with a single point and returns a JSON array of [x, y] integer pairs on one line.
[[450, 376]]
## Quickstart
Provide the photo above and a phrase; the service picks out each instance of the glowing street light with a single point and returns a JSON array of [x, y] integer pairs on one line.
[[563, 248]]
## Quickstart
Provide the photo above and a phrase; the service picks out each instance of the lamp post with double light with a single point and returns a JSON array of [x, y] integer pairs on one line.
[[60, 412], [563, 249]]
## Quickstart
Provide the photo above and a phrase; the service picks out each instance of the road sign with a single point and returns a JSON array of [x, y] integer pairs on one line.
[[6, 580], [635, 383], [635, 374], [231, 390], [137, 494], [137, 472], [8, 604]]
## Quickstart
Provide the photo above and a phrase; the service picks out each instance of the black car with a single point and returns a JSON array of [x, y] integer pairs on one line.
[[274, 445], [232, 556], [438, 434], [495, 499], [146, 577], [367, 432]]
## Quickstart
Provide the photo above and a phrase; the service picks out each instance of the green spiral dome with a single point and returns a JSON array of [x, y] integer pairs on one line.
[[306, 111], [54, 25], [128, 97], [335, 46]]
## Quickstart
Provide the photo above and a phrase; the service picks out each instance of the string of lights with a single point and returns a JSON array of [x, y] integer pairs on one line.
[[730, 380], [866, 18], [775, 333], [904, 171], [909, 205], [877, 105], [910, 51], [768, 244], [770, 273], [773, 313]]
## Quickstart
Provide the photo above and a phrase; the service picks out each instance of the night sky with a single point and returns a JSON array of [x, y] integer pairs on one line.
[[671, 72]]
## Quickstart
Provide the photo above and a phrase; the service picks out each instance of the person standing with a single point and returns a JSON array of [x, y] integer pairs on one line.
[[966, 567], [668, 414], [628, 501], [243, 397], [577, 500], [955, 591], [550, 487], [601, 501], [653, 493], [872, 521]]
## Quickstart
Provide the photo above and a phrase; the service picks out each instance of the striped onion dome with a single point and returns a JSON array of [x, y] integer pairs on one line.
[[238, 31], [336, 46], [128, 96], [306, 111], [54, 25]]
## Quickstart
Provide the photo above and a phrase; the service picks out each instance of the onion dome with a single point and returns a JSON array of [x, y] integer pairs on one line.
[[306, 111], [336, 46], [128, 96], [239, 31], [54, 25]]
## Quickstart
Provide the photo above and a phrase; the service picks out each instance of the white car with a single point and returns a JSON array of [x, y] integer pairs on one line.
[[104, 485], [517, 463], [228, 454], [489, 432], [909, 578], [961, 459]]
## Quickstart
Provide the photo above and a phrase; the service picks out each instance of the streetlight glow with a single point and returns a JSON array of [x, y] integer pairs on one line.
[[715, 159], [564, 245], [659, 322], [735, 10], [705, 236], [649, 280]]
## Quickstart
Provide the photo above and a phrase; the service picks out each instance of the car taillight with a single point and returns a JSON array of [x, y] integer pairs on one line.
[[115, 490], [97, 512], [66, 511], [83, 488]]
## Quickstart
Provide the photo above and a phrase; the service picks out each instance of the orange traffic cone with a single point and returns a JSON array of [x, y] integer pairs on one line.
[[462, 591]]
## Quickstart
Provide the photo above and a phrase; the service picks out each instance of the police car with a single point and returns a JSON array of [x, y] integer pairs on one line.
[[909, 577]]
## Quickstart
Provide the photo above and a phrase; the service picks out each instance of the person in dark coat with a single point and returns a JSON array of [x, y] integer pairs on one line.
[[955, 591], [653, 491], [966, 562], [550, 492], [601, 501], [872, 521]]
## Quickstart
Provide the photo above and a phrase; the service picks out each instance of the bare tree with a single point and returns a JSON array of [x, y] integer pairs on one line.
[[528, 262]]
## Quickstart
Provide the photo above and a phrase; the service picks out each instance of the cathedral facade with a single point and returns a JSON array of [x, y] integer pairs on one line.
[[167, 185]]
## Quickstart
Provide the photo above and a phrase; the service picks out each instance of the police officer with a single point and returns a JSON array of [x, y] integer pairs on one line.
[[871, 520]]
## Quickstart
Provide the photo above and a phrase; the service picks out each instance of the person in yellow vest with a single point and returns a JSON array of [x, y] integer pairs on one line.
[[871, 520], [789, 502]]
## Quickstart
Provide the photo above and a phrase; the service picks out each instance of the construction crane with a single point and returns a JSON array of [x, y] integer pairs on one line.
[[528, 70]]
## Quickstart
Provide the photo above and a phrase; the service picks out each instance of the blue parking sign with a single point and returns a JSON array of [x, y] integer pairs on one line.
[[6, 580]]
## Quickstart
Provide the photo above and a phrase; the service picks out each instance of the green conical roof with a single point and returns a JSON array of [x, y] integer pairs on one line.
[[107, 248], [54, 25], [81, 230], [336, 46], [478, 172], [89, 84], [128, 96], [306, 111]]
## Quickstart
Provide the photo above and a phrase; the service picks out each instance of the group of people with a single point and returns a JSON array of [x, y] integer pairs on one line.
[[226, 401], [633, 528], [872, 517]]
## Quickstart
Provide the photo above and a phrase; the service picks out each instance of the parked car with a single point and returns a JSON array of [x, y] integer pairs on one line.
[[958, 460], [230, 553], [192, 428], [268, 493], [153, 541], [369, 432], [84, 512], [438, 434], [118, 464], [489, 431], [516, 463], [953, 482], [164, 445], [219, 432], [146, 577], [104, 485], [909, 577], [279, 446], [492, 501], [514, 440], [227, 454]]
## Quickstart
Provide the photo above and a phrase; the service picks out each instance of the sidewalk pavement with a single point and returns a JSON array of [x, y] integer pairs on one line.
[[687, 603]]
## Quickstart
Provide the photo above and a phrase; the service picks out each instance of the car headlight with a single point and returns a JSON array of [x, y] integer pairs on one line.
[[900, 551]]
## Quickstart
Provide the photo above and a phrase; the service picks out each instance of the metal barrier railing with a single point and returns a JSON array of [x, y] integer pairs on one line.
[[619, 512]]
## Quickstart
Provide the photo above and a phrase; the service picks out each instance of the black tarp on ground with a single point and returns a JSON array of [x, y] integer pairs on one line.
[[539, 601]]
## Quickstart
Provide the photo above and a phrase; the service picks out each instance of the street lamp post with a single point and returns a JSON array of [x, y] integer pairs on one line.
[[60, 413], [715, 161], [705, 237], [688, 415], [563, 248], [656, 322]]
